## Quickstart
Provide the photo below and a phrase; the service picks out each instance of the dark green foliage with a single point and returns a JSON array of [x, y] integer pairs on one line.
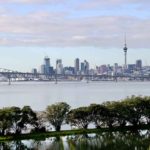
[[16, 119], [132, 111], [97, 113], [79, 117], [23, 117], [28, 116], [5, 120], [56, 114]]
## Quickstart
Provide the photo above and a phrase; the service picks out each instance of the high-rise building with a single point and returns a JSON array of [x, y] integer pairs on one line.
[[68, 70], [86, 67], [139, 64], [47, 61], [46, 68], [77, 65], [47, 65], [82, 67], [131, 68], [34, 71], [43, 69], [59, 66], [58, 61], [115, 68]]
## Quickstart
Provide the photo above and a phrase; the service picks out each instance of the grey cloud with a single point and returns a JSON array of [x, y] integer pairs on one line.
[[57, 29], [32, 1], [92, 4]]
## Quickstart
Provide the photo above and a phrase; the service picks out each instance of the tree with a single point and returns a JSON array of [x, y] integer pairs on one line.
[[110, 115], [56, 114], [97, 113], [41, 122], [120, 113], [144, 105], [79, 117], [134, 110], [28, 117], [5, 120], [16, 118]]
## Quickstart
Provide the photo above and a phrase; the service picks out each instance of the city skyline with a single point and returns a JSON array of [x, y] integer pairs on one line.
[[26, 62], [82, 67], [92, 30]]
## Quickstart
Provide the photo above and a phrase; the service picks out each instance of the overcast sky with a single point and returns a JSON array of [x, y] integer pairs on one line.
[[66, 29]]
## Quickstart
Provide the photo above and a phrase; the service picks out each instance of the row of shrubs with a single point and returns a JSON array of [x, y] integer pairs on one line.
[[133, 111]]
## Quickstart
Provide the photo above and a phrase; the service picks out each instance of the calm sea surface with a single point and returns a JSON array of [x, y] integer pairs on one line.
[[40, 94]]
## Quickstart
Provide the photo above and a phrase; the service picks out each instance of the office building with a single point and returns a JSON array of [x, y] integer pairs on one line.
[[77, 65], [139, 64], [46, 68], [59, 66]]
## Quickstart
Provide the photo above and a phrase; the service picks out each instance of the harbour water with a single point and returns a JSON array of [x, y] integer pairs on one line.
[[40, 94]]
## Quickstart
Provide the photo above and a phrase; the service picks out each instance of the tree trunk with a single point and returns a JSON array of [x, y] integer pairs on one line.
[[57, 128], [3, 131], [85, 126], [98, 126]]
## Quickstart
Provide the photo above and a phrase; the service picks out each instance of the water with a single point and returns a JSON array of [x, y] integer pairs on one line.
[[40, 94], [103, 141]]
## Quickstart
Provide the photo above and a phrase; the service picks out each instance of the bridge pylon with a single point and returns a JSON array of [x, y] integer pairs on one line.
[[9, 79]]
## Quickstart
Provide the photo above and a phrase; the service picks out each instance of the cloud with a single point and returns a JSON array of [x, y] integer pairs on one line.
[[57, 29], [60, 28], [93, 4], [32, 1]]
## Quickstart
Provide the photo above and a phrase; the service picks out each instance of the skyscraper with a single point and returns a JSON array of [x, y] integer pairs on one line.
[[47, 61], [86, 65], [59, 66], [47, 65], [76, 65], [82, 68], [139, 64], [46, 68]]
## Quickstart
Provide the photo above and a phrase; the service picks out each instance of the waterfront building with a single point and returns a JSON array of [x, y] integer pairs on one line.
[[139, 64], [82, 68], [59, 66], [86, 67], [47, 61], [46, 68], [131, 68], [34, 71], [51, 70], [43, 69], [115, 68], [47, 65], [69, 70], [103, 69], [76, 65]]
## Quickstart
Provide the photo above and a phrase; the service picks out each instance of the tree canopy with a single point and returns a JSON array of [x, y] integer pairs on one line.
[[56, 114]]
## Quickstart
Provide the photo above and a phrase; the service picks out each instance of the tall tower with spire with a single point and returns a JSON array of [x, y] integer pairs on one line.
[[125, 54]]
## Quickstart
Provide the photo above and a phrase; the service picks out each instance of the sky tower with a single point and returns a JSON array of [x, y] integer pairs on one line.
[[125, 54]]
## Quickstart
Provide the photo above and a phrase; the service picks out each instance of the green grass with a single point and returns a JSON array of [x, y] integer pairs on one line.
[[42, 136]]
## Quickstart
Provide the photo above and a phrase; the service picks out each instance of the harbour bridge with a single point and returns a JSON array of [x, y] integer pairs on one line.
[[11, 75]]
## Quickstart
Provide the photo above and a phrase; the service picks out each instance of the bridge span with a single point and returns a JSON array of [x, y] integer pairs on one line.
[[12, 75]]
